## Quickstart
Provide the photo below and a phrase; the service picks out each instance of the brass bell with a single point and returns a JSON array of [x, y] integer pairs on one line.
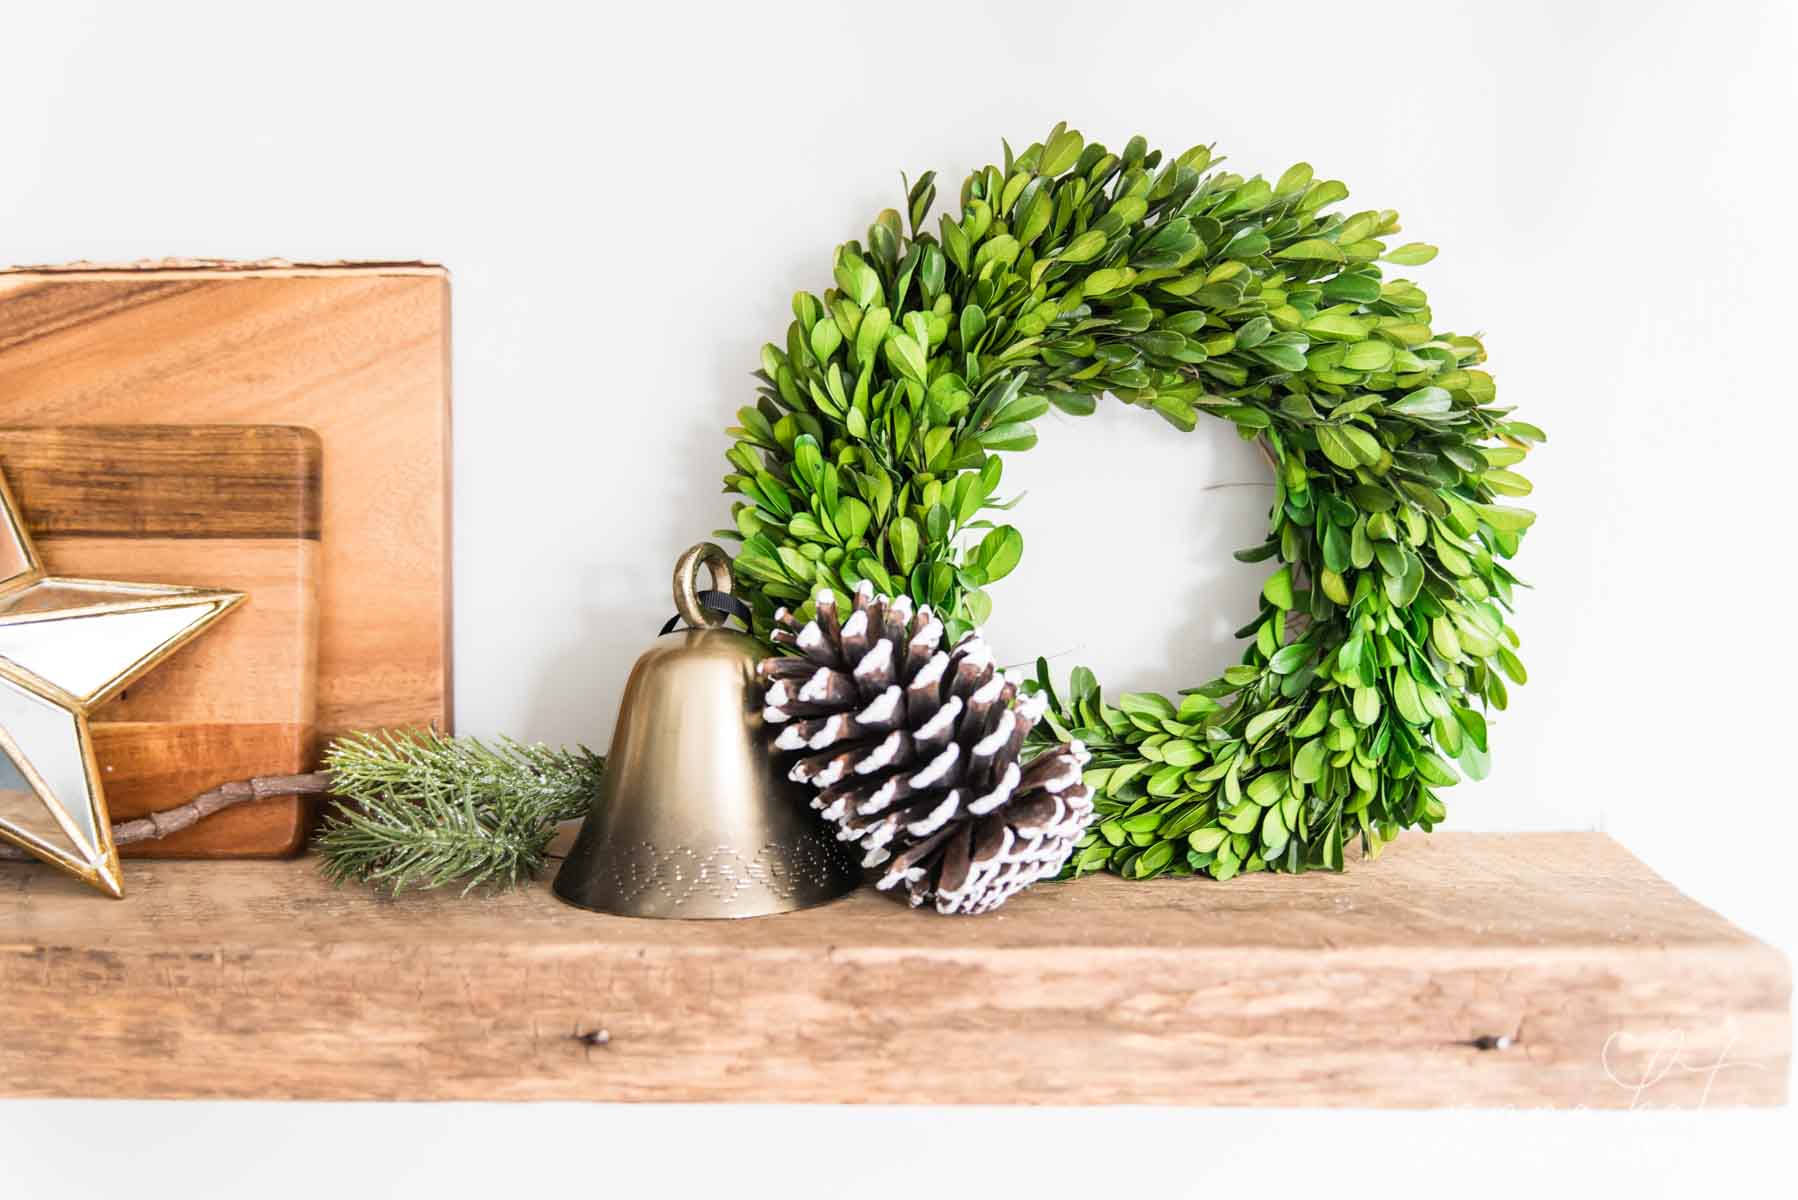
[[694, 815]]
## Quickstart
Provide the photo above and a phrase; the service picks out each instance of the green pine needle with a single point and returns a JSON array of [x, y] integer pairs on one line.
[[415, 808]]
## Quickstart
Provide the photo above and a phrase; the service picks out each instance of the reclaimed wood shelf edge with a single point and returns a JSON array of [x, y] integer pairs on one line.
[[1460, 969]]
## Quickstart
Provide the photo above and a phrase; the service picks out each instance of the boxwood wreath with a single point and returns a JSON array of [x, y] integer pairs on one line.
[[1070, 272]]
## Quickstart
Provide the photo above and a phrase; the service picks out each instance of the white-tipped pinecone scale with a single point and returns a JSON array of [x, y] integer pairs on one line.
[[914, 748]]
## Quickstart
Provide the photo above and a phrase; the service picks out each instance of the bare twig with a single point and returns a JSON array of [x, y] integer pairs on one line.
[[1267, 453], [173, 820]]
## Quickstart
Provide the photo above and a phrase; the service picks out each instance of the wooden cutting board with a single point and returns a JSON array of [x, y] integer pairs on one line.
[[231, 506], [357, 353]]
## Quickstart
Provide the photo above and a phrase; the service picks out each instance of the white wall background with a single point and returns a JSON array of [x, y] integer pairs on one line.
[[628, 196]]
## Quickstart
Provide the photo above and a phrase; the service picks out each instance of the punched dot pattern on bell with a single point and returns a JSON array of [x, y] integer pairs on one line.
[[722, 874]]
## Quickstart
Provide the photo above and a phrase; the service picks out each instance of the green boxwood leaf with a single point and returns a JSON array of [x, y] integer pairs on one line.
[[1425, 401], [1412, 254], [1208, 839], [1000, 551], [1288, 659], [1406, 700], [1011, 436], [903, 539], [1083, 247], [1308, 763], [1336, 448], [1278, 589], [907, 357], [1147, 704], [1368, 356], [1311, 249], [1261, 722]]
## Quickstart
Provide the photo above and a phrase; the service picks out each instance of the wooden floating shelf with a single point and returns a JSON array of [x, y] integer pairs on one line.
[[1392, 985]]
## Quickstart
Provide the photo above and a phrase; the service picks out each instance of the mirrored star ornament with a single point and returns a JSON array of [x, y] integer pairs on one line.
[[66, 647]]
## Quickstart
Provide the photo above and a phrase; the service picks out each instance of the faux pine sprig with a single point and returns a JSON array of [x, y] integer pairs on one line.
[[419, 809]]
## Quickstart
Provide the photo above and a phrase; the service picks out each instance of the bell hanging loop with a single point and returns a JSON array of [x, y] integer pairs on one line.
[[687, 601]]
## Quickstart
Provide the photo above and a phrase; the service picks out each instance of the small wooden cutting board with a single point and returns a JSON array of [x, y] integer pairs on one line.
[[230, 506]]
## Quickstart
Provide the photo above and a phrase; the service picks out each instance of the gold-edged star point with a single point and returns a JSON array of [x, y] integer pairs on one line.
[[66, 647]]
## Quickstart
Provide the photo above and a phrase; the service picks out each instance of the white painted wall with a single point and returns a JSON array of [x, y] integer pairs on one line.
[[628, 196]]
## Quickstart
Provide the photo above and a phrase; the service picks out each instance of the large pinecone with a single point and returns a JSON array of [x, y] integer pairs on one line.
[[914, 748]]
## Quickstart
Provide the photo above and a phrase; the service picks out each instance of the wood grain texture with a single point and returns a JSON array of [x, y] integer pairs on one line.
[[358, 353], [1369, 988], [168, 481], [221, 506]]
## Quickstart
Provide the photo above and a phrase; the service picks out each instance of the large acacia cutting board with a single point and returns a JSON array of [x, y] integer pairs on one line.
[[219, 506], [360, 354]]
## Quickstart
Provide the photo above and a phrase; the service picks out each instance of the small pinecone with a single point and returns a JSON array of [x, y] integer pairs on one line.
[[914, 747]]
